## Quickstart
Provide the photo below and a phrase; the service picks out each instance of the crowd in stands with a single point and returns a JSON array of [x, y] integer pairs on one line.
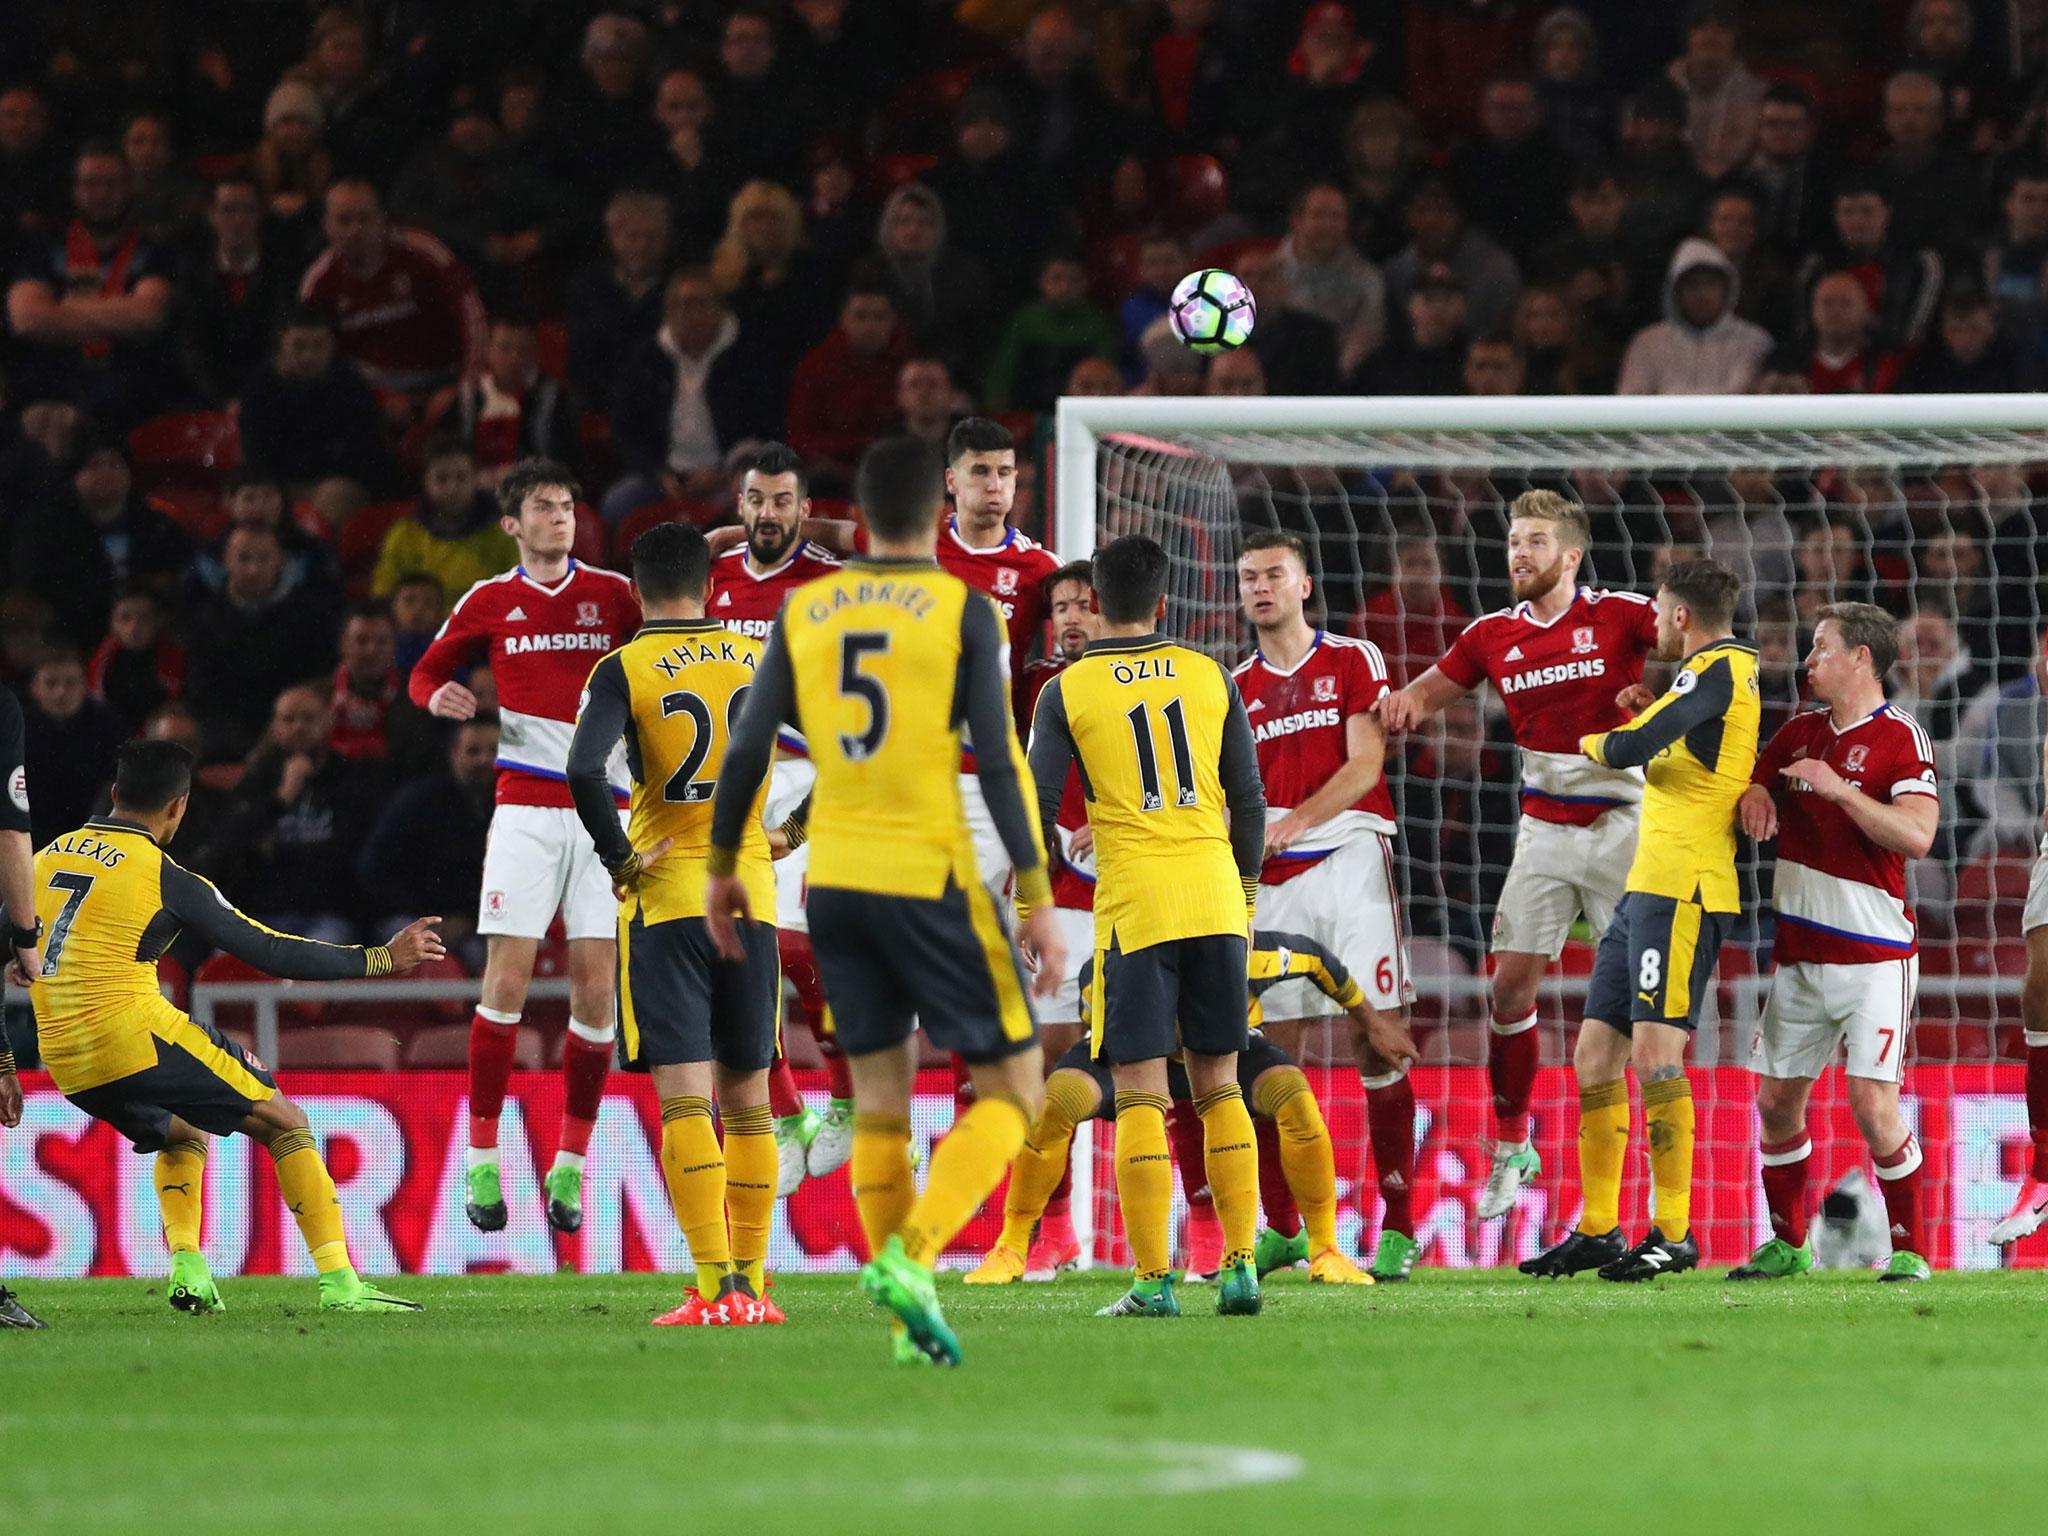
[[287, 287]]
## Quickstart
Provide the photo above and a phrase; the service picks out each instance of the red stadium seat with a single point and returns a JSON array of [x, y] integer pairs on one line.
[[551, 344], [361, 540], [338, 1048], [1991, 894], [591, 538], [225, 967], [445, 1047], [389, 1015], [175, 981], [196, 509], [206, 443], [892, 171]]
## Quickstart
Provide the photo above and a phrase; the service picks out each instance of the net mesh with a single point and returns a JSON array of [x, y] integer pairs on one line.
[[1407, 534]]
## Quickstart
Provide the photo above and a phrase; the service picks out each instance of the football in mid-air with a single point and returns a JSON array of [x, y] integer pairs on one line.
[[1212, 311]]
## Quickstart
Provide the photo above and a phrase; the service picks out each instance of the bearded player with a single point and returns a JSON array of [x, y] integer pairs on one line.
[[542, 624], [1017, 1255], [748, 586], [1849, 792], [2031, 1209], [1329, 866], [1562, 659]]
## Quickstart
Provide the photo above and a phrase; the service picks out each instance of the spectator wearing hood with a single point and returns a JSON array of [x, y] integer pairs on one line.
[[1700, 347], [940, 291]]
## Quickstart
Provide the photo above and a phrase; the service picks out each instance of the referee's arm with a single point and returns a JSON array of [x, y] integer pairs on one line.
[[1686, 707]]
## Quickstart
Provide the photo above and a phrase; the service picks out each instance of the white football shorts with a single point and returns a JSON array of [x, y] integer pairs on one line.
[[1558, 874], [540, 861], [1349, 903], [1816, 1009]]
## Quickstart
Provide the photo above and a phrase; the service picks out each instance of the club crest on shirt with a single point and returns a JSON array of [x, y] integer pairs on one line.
[[1857, 757], [494, 903], [587, 615], [1582, 640], [1006, 580], [1324, 690]]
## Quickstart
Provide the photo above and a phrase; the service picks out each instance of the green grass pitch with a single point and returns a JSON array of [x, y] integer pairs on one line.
[[1456, 1403]]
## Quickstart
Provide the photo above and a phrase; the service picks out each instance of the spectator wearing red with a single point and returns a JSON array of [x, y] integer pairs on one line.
[[1844, 358], [844, 394], [404, 310], [90, 301], [138, 667], [1414, 618], [511, 410], [1189, 74], [366, 693]]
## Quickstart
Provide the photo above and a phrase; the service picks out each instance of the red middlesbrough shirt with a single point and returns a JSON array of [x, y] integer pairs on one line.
[[1839, 895], [541, 642], [1559, 681], [361, 729], [1012, 573], [746, 600], [1297, 719], [414, 322], [1073, 879]]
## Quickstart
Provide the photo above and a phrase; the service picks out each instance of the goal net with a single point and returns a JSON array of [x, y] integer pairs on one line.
[[1925, 505]]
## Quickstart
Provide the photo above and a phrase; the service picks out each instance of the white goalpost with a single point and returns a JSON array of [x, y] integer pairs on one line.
[[1925, 504]]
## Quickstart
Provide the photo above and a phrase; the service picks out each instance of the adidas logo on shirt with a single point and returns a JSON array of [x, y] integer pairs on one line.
[[725, 599], [515, 614], [1513, 655]]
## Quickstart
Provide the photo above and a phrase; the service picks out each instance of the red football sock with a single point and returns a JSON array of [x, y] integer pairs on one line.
[[1274, 1194], [1514, 1051], [838, 1075], [783, 1099], [1059, 1205], [1390, 1126], [585, 1065], [1184, 1133], [492, 1044], [2037, 1104], [963, 1089], [1898, 1179], [1785, 1165]]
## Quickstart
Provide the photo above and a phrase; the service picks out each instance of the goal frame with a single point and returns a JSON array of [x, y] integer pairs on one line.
[[1081, 422]]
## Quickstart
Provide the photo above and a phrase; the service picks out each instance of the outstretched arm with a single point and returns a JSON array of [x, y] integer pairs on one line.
[[199, 906], [1693, 700]]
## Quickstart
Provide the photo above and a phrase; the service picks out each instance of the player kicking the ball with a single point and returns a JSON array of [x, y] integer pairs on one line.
[[1559, 658], [1329, 869], [1850, 794], [2030, 1211], [542, 625], [1657, 957]]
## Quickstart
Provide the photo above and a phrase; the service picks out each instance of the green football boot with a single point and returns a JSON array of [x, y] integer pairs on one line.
[[485, 1206], [902, 1350], [1275, 1250], [1905, 1267], [1145, 1298], [1237, 1291], [894, 1281], [346, 1291], [1395, 1259], [192, 1288], [564, 1188], [1776, 1260], [793, 1137]]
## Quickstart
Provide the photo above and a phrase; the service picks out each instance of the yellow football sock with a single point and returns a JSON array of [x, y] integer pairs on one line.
[[967, 1165], [1603, 1148], [1069, 1099], [1230, 1157], [1307, 1159], [883, 1188], [180, 1186], [1144, 1181], [1668, 1122], [695, 1170], [750, 1169], [309, 1193]]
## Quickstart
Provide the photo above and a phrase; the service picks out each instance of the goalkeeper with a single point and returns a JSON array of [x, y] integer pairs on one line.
[[1654, 964], [1273, 1085]]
